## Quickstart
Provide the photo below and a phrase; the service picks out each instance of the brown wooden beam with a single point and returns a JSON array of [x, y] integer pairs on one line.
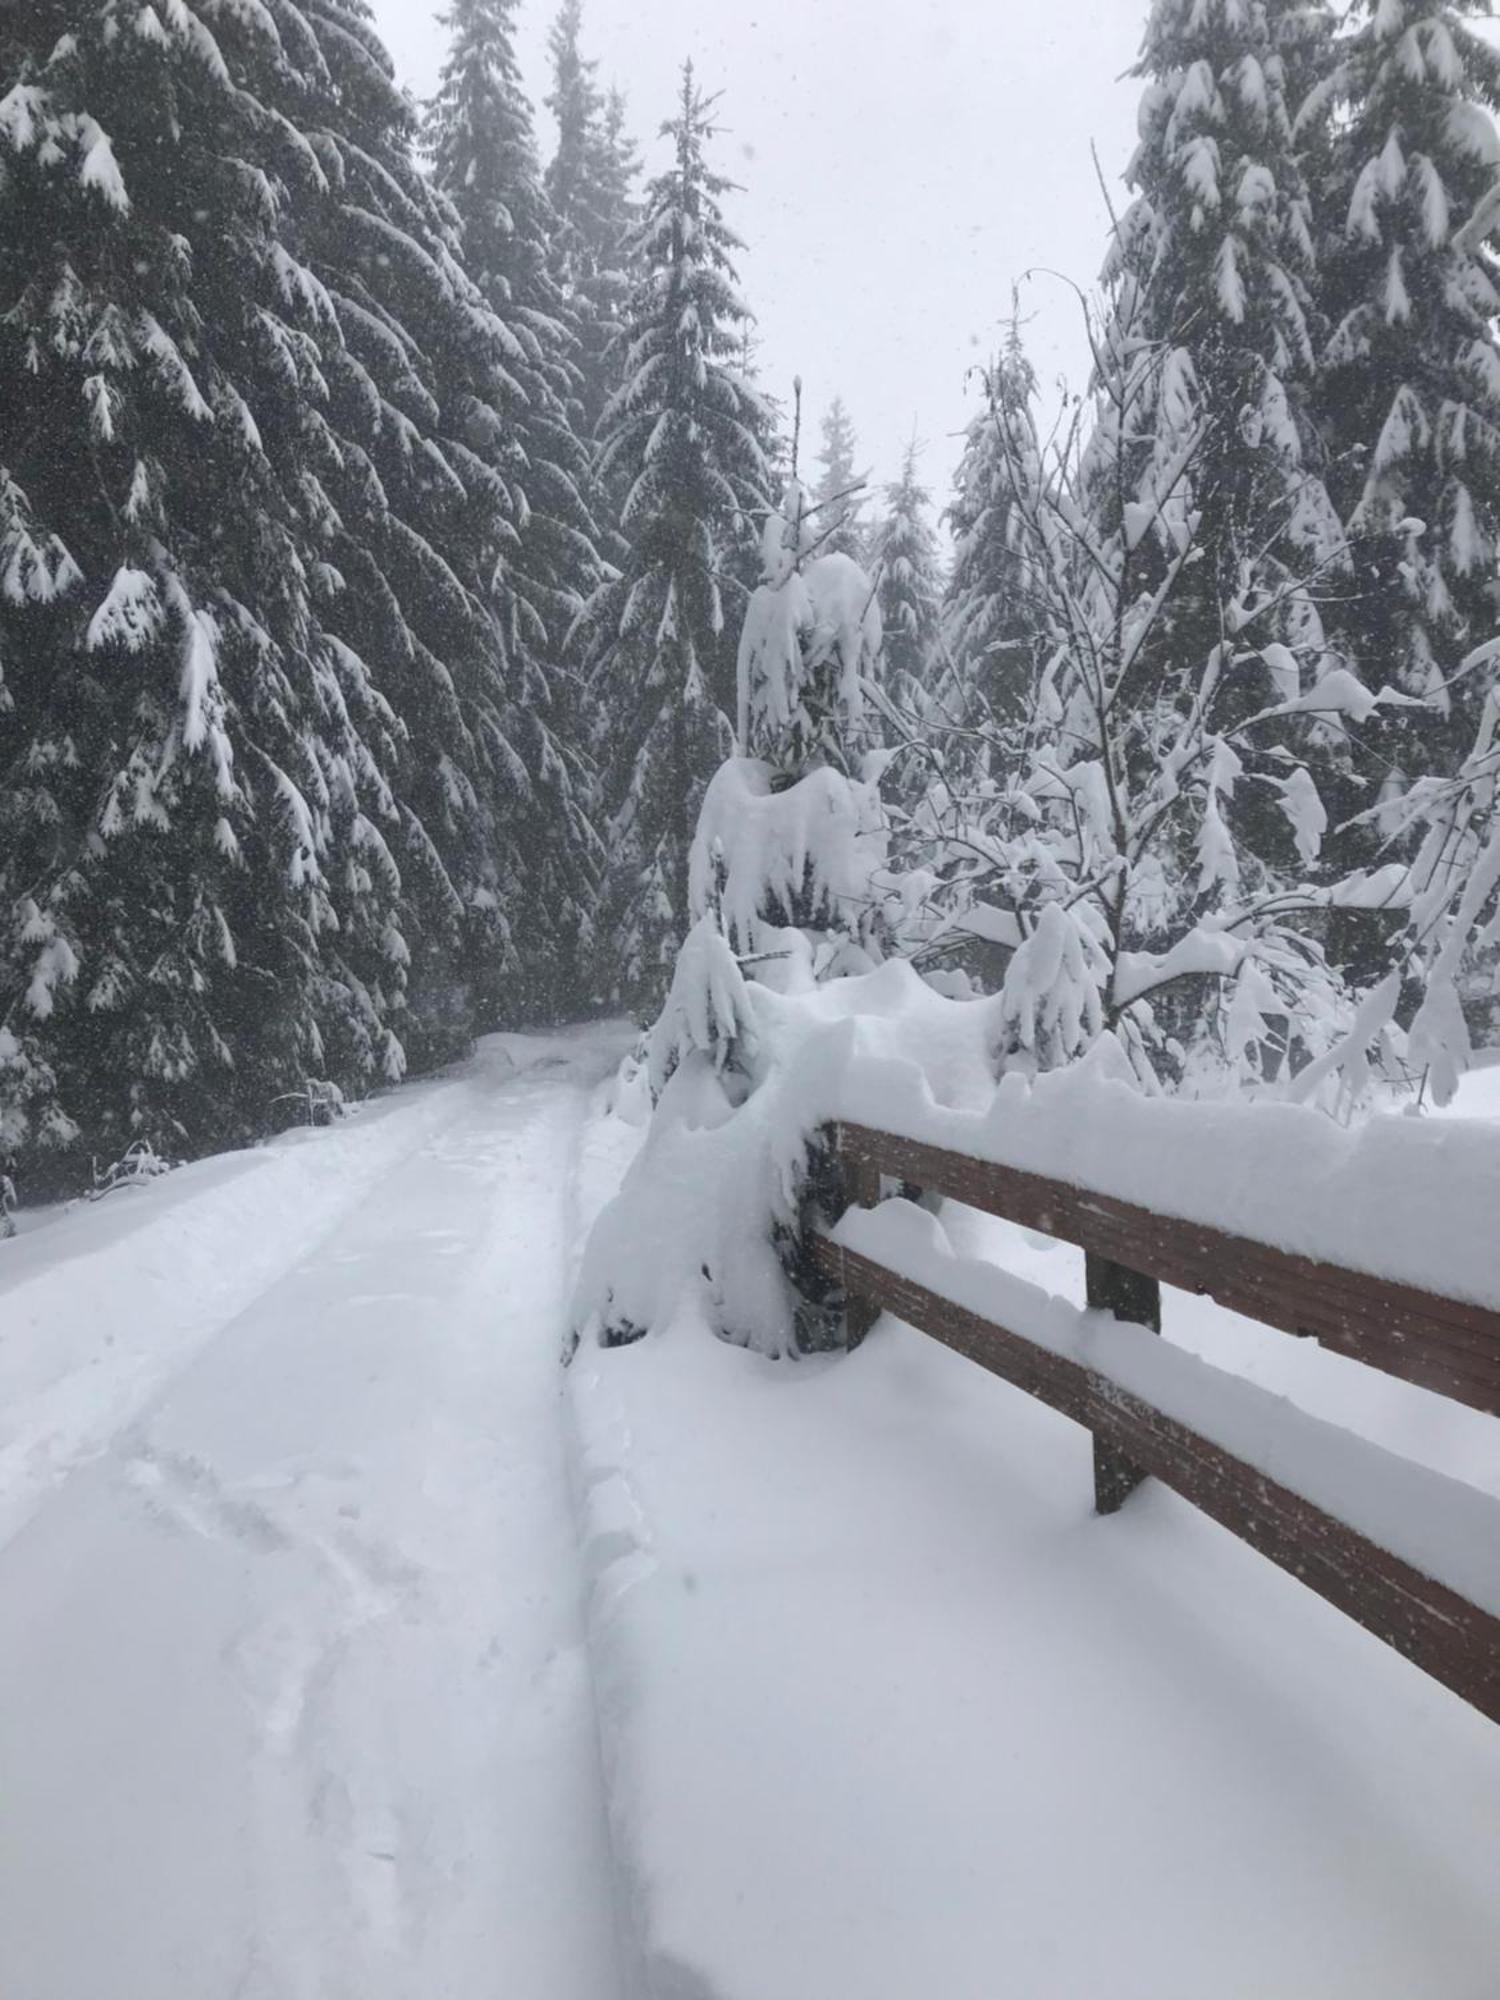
[[1441, 1632], [1440, 1344]]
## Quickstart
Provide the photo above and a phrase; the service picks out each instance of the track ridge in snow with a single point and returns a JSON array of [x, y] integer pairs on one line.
[[109, 1303]]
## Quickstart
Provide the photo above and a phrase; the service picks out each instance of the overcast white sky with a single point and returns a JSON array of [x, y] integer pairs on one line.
[[903, 162]]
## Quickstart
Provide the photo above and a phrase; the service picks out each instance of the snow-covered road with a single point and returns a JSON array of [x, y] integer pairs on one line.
[[296, 1704], [310, 1688]]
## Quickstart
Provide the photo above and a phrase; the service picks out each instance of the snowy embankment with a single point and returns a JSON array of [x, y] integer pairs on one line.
[[887, 1711], [297, 1701]]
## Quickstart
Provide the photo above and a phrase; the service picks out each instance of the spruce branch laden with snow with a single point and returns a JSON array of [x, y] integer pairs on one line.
[[1410, 381]]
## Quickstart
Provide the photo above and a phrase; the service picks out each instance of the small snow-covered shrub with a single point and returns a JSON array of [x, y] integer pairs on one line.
[[138, 1164], [707, 1013], [317, 1103], [715, 1210], [809, 647]]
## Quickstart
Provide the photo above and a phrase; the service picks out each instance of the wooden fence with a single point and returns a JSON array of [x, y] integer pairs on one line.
[[1440, 1344]]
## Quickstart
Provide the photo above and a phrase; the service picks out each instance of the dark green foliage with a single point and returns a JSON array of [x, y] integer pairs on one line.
[[992, 638], [270, 759], [904, 557], [1410, 392], [590, 181], [480, 136]]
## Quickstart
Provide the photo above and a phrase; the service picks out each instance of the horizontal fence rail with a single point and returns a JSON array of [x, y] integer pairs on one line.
[[1436, 1343], [1130, 1251]]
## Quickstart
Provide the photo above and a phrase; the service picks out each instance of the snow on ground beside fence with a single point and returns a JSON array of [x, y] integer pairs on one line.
[[1442, 1527], [886, 1711]]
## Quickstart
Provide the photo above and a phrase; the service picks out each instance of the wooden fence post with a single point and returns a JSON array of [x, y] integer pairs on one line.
[[863, 1184], [1113, 1288]]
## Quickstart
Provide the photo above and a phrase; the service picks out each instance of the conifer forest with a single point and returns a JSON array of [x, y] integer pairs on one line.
[[380, 502]]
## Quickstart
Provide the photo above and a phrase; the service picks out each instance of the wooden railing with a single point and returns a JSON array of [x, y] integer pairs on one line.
[[1440, 1344]]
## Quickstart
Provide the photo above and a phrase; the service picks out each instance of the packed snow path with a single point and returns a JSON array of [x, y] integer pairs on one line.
[[295, 1700]]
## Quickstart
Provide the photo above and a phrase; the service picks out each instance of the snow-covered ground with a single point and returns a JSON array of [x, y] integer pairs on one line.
[[295, 1700], [887, 1711], [310, 1690]]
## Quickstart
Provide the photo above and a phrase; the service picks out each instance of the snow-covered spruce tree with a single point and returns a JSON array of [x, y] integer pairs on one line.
[[838, 493], [479, 134], [809, 651], [415, 517], [791, 832], [961, 736], [199, 906], [684, 438], [420, 370], [1212, 268], [1410, 391], [260, 757], [1215, 334], [905, 560], [788, 890], [589, 181]]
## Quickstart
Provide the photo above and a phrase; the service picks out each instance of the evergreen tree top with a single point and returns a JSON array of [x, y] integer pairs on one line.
[[838, 445], [982, 504], [1223, 218], [991, 618], [590, 176], [684, 231], [482, 144], [837, 492], [687, 319], [908, 500], [910, 581], [576, 103]]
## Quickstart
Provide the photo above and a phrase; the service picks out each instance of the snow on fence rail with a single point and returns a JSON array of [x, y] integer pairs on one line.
[[1412, 1556]]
